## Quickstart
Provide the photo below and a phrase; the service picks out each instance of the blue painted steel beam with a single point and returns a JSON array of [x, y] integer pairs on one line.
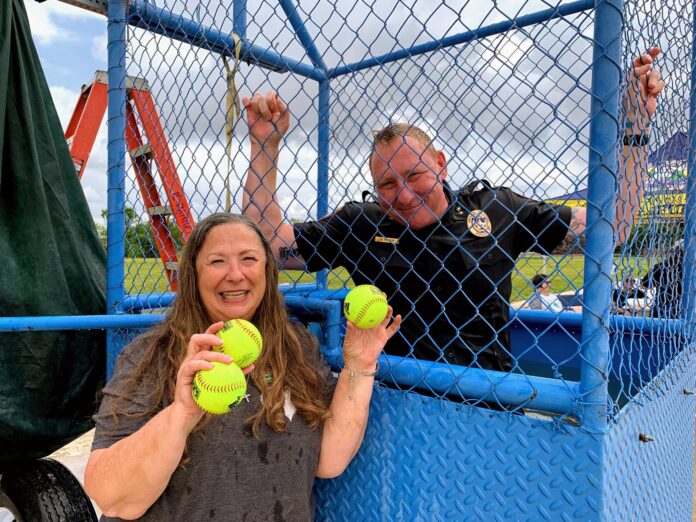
[[467, 36], [78, 322], [323, 149], [176, 27], [688, 304], [135, 302], [239, 19], [601, 196], [333, 317], [116, 160], [292, 12], [540, 393]]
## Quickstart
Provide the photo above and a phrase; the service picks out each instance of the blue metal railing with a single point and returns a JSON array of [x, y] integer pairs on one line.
[[116, 199], [688, 305], [601, 195]]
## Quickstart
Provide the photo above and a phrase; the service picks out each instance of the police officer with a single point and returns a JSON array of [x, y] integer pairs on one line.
[[443, 257]]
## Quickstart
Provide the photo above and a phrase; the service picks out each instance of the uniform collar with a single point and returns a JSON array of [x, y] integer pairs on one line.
[[455, 210]]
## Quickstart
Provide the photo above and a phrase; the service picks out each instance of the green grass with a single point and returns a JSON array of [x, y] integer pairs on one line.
[[144, 276]]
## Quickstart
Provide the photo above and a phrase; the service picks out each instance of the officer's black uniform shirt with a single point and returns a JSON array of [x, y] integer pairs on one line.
[[451, 282]]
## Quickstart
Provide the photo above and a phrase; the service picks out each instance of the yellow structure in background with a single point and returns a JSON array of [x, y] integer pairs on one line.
[[665, 191]]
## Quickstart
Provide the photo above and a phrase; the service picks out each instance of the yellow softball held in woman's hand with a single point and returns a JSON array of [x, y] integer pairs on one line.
[[365, 306], [241, 340], [219, 389]]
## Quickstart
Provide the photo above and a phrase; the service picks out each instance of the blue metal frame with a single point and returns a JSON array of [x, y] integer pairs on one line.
[[292, 12], [239, 20], [601, 196], [688, 305], [164, 22], [116, 107], [467, 36], [602, 172]]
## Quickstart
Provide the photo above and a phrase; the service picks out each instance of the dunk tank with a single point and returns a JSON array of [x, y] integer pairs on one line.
[[595, 421]]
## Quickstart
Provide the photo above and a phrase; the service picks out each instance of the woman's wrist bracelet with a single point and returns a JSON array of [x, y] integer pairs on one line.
[[353, 373]]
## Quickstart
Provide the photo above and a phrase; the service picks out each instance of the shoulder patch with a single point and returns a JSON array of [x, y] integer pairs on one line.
[[479, 223]]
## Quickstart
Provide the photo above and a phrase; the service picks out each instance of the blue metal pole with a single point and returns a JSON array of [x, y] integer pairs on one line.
[[688, 304], [239, 19], [78, 322], [162, 21], [330, 309], [601, 195], [490, 30], [510, 388], [116, 199], [131, 303], [324, 131], [306, 39]]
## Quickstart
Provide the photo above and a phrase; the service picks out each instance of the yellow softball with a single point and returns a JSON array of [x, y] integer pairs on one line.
[[219, 389], [241, 340], [365, 306]]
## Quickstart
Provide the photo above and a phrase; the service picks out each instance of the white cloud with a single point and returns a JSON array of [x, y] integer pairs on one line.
[[64, 99], [98, 48], [44, 29], [50, 20], [94, 179]]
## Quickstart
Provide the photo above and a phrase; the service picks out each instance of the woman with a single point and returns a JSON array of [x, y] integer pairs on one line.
[[156, 455]]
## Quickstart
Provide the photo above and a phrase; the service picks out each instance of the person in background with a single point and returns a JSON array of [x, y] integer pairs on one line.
[[665, 278], [157, 456], [542, 298], [623, 298]]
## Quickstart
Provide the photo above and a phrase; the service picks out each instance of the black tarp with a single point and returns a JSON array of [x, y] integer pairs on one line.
[[51, 261]]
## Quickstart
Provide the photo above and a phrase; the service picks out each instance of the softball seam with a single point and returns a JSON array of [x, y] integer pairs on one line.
[[363, 310], [217, 389], [251, 334]]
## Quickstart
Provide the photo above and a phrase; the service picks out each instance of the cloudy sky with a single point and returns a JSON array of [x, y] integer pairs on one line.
[[509, 108]]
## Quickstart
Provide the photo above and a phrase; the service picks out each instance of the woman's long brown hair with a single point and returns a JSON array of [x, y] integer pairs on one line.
[[285, 355]]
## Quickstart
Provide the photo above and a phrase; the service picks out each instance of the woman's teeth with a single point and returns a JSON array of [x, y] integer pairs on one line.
[[232, 295]]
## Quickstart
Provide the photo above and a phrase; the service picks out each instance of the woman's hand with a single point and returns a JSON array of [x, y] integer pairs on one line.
[[199, 356], [362, 347]]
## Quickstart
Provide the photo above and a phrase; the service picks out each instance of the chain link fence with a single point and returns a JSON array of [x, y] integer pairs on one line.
[[506, 92]]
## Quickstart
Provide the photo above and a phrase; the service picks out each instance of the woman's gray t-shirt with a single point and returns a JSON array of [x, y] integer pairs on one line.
[[230, 475]]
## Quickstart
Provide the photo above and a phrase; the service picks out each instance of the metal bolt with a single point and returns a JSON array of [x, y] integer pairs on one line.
[[644, 437], [687, 391]]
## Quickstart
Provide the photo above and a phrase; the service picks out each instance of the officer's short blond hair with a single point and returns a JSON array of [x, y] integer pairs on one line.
[[401, 130]]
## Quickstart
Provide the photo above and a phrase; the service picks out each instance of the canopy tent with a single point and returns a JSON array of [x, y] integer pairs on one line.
[[52, 261], [665, 189]]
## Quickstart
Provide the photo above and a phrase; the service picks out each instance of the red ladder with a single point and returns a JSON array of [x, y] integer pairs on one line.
[[140, 112]]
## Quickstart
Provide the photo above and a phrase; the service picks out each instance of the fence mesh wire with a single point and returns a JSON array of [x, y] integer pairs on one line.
[[512, 108]]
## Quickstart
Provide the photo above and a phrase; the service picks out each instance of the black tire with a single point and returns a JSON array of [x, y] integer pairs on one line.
[[44, 491]]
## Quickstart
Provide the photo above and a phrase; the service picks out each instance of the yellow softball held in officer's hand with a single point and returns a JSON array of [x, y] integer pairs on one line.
[[219, 389], [365, 306], [241, 340]]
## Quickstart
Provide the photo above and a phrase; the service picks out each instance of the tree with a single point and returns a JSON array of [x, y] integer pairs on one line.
[[140, 241]]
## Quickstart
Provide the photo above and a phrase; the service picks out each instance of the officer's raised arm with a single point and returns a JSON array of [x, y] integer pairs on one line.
[[269, 119]]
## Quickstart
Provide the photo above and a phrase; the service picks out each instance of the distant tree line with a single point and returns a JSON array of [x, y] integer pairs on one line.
[[140, 242]]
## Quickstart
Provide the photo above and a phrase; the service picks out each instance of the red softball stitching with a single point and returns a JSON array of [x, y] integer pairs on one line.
[[363, 310], [207, 387], [251, 334]]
